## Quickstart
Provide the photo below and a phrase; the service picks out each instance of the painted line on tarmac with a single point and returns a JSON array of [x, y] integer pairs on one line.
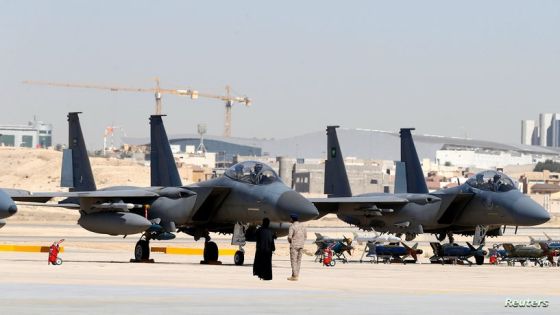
[[26, 248], [189, 251]]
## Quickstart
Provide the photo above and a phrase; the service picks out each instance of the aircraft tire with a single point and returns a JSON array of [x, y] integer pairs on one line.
[[210, 251], [239, 258], [479, 260], [58, 261], [142, 250]]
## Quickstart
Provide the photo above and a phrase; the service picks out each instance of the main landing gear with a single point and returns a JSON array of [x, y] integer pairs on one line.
[[142, 247], [211, 253], [142, 250], [441, 237]]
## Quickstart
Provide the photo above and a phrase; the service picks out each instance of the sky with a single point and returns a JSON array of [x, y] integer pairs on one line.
[[471, 68]]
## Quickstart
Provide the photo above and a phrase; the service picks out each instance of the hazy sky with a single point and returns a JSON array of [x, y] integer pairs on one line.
[[444, 67]]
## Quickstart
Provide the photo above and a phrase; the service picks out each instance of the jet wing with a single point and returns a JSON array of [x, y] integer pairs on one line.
[[132, 193], [377, 204], [24, 195], [88, 201]]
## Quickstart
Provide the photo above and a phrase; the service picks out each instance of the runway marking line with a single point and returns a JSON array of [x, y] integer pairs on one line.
[[189, 251], [26, 248]]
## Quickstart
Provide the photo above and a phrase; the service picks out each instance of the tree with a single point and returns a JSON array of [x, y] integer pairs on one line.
[[547, 165]]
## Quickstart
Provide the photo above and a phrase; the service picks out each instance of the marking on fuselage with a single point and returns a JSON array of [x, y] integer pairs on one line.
[[253, 209]]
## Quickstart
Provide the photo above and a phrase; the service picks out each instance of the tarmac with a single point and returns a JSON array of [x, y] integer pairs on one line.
[[97, 277]]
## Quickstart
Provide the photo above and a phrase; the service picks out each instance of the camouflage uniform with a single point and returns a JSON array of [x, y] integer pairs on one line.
[[297, 235]]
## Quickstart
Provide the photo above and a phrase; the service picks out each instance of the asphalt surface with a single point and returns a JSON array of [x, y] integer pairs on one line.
[[97, 277]]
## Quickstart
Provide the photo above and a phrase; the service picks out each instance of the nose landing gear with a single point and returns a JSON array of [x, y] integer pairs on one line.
[[239, 257], [239, 238]]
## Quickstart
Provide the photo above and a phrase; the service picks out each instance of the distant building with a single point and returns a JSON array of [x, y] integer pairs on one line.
[[363, 144], [36, 134], [529, 132], [545, 127], [556, 130], [546, 133]]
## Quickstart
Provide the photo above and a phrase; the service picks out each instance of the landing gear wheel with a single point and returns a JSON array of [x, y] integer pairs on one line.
[[210, 251], [239, 257], [142, 250], [479, 260], [441, 236]]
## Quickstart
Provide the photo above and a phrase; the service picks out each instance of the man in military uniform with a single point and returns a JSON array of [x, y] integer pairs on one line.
[[297, 235]]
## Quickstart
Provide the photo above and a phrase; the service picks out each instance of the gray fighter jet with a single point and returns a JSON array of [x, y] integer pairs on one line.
[[479, 207], [233, 203], [7, 206]]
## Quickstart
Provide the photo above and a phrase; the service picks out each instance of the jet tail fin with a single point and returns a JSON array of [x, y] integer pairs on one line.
[[547, 237], [532, 240], [415, 181], [336, 178], [163, 170], [76, 168]]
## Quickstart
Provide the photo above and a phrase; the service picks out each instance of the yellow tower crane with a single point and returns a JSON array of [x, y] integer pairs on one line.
[[158, 92]]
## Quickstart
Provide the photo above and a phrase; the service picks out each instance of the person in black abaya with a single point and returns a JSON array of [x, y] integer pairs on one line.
[[262, 266]]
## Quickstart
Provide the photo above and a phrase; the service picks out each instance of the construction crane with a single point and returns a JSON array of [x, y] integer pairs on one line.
[[158, 92], [110, 135]]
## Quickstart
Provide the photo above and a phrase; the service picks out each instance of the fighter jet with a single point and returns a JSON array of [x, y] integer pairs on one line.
[[7, 207], [233, 203], [479, 207]]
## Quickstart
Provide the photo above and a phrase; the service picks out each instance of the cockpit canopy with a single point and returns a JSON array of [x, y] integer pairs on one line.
[[252, 172], [491, 181]]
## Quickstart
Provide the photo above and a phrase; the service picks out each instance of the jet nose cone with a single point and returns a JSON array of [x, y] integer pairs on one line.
[[12, 209], [528, 212], [7, 205], [291, 202]]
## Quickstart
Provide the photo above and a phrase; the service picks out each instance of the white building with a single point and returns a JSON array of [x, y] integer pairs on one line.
[[482, 159], [545, 128], [556, 130], [36, 134], [529, 132]]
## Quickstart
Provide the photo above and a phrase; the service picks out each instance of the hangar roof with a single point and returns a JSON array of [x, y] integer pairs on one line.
[[364, 143]]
